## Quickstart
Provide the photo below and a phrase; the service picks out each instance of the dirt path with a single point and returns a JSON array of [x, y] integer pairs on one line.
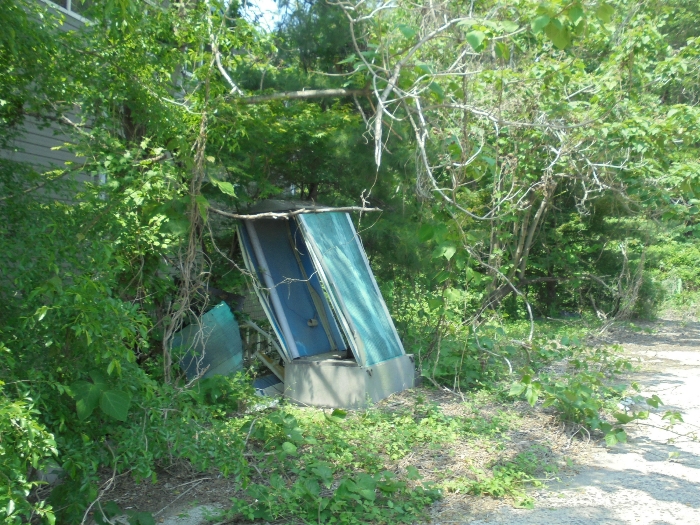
[[650, 480]]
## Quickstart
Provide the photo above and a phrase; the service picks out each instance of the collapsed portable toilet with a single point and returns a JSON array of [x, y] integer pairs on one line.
[[337, 343]]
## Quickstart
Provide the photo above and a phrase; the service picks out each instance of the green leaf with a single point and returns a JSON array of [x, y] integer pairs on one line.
[[475, 39], [412, 473], [407, 31], [623, 418], [424, 68], [502, 51], [442, 276], [558, 34], [113, 364], [368, 494], [324, 473], [426, 232], [98, 378], [437, 90], [509, 26], [225, 187], [289, 448], [539, 23], [654, 401], [453, 295], [549, 402], [349, 60], [610, 439], [312, 486], [87, 397], [604, 427], [434, 304], [445, 250], [605, 12], [575, 13], [673, 417], [41, 312], [532, 393], [115, 403], [516, 389], [339, 413]]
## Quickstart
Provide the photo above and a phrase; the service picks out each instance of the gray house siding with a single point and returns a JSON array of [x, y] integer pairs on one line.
[[34, 145], [36, 141]]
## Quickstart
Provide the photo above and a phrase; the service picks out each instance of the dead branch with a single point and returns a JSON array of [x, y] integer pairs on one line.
[[289, 214], [301, 95]]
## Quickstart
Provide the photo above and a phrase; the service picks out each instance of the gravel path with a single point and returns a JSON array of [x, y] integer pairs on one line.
[[654, 479]]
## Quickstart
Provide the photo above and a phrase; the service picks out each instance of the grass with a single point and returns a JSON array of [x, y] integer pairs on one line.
[[387, 464]]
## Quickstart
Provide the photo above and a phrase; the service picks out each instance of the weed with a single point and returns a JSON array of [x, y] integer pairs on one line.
[[508, 479], [316, 495], [586, 392]]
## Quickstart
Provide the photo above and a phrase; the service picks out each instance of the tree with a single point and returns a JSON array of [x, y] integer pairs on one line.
[[520, 109]]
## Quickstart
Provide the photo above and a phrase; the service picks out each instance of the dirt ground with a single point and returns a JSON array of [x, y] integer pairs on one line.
[[654, 479]]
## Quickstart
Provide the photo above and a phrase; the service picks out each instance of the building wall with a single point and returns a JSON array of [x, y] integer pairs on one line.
[[35, 142]]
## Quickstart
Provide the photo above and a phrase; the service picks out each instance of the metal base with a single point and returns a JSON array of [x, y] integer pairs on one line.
[[342, 383]]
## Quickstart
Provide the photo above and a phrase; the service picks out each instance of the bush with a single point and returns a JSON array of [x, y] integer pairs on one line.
[[26, 446]]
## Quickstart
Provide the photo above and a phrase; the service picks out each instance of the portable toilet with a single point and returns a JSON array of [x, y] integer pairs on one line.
[[337, 343]]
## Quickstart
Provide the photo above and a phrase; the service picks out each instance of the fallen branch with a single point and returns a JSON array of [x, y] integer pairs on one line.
[[308, 93], [289, 214]]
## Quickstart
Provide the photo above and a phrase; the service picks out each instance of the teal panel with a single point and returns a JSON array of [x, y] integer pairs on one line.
[[350, 280], [214, 343]]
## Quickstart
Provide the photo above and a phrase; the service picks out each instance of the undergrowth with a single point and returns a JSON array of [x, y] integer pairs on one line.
[[589, 389], [333, 467], [301, 465], [508, 478]]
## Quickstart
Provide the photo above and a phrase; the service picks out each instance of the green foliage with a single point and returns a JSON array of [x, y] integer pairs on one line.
[[363, 498], [587, 393], [508, 478], [343, 467], [581, 395], [25, 446], [673, 279], [337, 466], [89, 396]]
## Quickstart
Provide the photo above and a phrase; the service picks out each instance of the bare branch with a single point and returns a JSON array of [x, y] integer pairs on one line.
[[289, 214], [309, 93]]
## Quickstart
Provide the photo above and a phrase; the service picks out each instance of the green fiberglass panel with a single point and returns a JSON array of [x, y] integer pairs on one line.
[[211, 347], [347, 275]]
